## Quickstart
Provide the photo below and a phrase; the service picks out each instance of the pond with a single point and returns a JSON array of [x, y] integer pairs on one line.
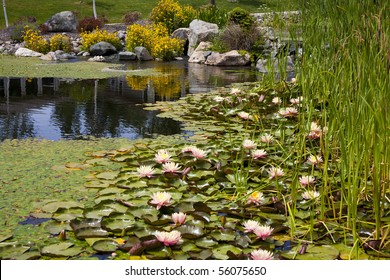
[[57, 108]]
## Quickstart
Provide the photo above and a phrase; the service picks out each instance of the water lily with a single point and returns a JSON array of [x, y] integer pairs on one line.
[[162, 156], [307, 195], [296, 101], [315, 131], [243, 115], [288, 112], [249, 144], [306, 180], [179, 218], [276, 101], [251, 226], [261, 254], [145, 171], [198, 153], [267, 138], [255, 198], [170, 167], [263, 232], [235, 91], [315, 160], [168, 238], [219, 99], [256, 154], [275, 172], [261, 98], [161, 199]]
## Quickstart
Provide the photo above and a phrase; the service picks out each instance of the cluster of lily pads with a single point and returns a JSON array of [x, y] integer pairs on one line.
[[223, 191]]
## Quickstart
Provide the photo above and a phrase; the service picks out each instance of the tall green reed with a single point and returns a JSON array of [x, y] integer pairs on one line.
[[345, 73]]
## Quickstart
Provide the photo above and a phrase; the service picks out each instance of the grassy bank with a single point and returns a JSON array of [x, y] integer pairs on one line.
[[114, 10]]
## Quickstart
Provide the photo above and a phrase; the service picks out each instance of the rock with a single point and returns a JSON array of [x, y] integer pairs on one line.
[[232, 58], [273, 65], [97, 58], [142, 53], [201, 52], [127, 56], [27, 52], [200, 31], [121, 35], [182, 35], [62, 22], [51, 56], [102, 48]]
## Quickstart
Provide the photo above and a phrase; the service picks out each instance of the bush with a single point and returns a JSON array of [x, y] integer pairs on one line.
[[172, 15], [18, 28], [155, 38], [237, 38], [88, 24], [34, 41], [241, 17], [60, 42], [212, 14], [131, 18], [91, 38]]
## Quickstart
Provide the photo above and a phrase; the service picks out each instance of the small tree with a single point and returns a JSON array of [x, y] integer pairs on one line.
[[5, 14]]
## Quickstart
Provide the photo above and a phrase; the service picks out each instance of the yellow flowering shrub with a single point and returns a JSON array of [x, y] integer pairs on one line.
[[34, 41], [91, 38], [155, 39], [60, 42], [172, 15]]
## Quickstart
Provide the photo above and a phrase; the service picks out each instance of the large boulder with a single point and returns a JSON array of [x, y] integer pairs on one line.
[[102, 49], [27, 52], [200, 31], [201, 53], [142, 53], [127, 56], [62, 22], [232, 58]]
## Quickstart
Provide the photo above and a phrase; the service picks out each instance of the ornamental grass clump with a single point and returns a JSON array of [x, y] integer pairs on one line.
[[155, 38], [91, 38]]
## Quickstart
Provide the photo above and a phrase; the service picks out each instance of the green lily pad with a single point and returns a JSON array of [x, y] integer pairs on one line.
[[203, 255], [206, 242], [87, 232], [108, 175], [105, 245], [324, 252], [64, 214], [118, 222], [223, 235], [55, 227], [221, 252], [96, 184], [11, 250], [53, 206], [63, 249], [190, 232]]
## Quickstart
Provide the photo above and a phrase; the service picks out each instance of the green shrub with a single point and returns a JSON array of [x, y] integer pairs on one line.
[[34, 41], [18, 28], [60, 42], [155, 38], [212, 14], [241, 17], [91, 38]]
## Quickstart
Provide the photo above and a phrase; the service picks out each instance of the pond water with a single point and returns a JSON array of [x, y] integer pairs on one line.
[[56, 108]]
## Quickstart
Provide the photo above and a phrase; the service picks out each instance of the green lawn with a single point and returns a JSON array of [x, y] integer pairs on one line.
[[115, 9]]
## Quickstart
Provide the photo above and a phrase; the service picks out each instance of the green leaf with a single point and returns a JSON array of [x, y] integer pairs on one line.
[[63, 249]]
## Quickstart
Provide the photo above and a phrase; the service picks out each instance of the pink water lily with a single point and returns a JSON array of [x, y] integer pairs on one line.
[[145, 171], [288, 112], [267, 138], [249, 144], [263, 232], [306, 180], [275, 172], [255, 198], [251, 226], [262, 255], [307, 195], [162, 156], [170, 167], [315, 131], [257, 154], [315, 160], [161, 199], [168, 238], [179, 218], [243, 115]]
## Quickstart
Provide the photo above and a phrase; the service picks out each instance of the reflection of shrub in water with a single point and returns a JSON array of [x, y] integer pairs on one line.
[[166, 86]]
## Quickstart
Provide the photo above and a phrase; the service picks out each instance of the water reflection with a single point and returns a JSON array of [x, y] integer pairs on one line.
[[54, 108]]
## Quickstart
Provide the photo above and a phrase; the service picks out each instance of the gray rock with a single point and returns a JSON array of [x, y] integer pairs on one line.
[[62, 22], [274, 65], [200, 54], [142, 53], [200, 31], [127, 56], [51, 56], [27, 52], [97, 58], [232, 58], [102, 48], [181, 33]]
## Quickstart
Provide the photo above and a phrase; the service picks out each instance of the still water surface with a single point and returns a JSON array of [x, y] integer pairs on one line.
[[55, 108]]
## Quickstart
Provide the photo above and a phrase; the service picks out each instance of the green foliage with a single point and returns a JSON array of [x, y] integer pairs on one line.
[[18, 28], [241, 17], [35, 41], [91, 38], [60, 42], [155, 38], [213, 14]]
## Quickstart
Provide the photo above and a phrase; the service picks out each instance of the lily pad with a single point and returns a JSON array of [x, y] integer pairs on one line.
[[105, 245], [11, 250], [53, 206], [190, 232], [118, 222], [324, 252], [221, 251], [63, 249], [108, 175], [206, 242]]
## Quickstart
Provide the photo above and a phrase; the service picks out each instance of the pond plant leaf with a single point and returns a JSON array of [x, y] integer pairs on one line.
[[190, 232], [11, 250], [105, 245], [221, 252], [63, 249]]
